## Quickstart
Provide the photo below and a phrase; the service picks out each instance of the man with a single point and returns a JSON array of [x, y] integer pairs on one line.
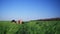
[[13, 21], [19, 21]]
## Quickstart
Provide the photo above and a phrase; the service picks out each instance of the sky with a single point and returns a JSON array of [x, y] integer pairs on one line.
[[29, 9]]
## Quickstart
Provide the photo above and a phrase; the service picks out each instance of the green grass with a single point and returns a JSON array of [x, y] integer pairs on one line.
[[32, 27]]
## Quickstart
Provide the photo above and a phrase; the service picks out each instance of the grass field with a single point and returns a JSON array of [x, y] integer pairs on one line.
[[31, 27]]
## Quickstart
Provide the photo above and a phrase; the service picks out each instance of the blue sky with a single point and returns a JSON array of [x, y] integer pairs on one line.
[[29, 9]]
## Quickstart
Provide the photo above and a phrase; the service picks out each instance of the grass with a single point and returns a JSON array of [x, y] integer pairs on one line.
[[32, 27]]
